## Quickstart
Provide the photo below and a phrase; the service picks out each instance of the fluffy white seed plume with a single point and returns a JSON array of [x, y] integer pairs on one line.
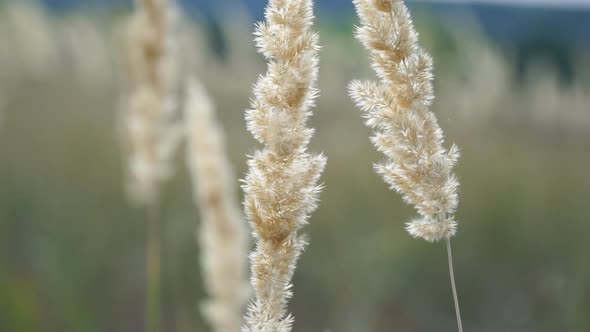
[[223, 233], [281, 188], [405, 130], [151, 125]]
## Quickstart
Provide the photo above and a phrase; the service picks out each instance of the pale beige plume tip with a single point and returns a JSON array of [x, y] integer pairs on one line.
[[151, 121], [223, 234], [405, 130], [281, 187]]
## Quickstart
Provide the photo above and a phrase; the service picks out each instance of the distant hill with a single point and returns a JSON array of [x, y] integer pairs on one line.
[[505, 24], [512, 24]]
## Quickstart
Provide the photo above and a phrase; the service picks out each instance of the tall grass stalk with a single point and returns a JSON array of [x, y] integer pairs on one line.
[[153, 316], [405, 130], [453, 286], [223, 234], [151, 119], [151, 127], [281, 187]]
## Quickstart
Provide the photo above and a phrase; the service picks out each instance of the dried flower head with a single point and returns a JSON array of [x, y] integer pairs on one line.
[[383, 5], [223, 234], [281, 188], [405, 130], [150, 120]]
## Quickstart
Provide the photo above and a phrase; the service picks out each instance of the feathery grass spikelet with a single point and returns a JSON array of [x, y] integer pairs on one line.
[[281, 188], [405, 130], [152, 129], [223, 233]]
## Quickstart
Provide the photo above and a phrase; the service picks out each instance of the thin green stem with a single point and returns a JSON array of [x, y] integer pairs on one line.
[[453, 286], [153, 269]]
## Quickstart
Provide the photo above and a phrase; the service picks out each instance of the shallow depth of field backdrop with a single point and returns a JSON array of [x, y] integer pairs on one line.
[[513, 91]]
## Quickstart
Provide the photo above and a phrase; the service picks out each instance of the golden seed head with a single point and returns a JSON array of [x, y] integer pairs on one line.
[[281, 188], [405, 130], [223, 234], [383, 5]]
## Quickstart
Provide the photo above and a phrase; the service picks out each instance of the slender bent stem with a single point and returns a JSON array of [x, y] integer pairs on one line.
[[453, 286], [153, 268]]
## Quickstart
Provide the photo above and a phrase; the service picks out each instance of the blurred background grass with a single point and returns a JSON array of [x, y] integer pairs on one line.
[[514, 96]]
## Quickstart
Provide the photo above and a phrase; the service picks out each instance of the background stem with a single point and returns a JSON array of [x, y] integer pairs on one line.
[[153, 269], [452, 274]]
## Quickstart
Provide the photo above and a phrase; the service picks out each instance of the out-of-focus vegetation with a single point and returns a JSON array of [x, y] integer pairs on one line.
[[72, 248]]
